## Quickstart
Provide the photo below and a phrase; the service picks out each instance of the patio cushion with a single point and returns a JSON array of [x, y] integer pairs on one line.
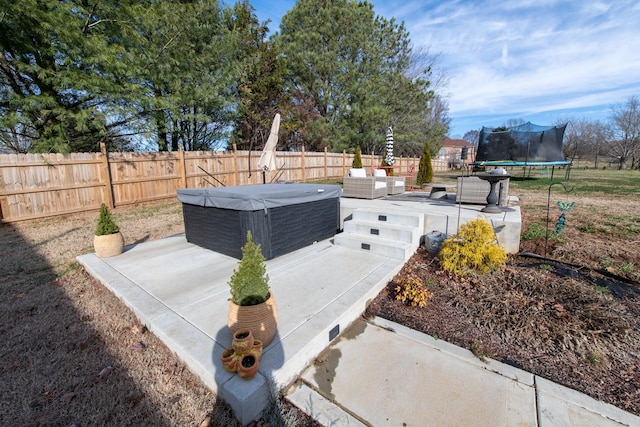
[[357, 173]]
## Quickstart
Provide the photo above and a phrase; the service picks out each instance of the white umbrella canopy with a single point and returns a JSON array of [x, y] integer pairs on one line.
[[267, 160], [389, 157]]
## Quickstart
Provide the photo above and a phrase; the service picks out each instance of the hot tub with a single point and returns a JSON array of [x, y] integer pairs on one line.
[[282, 217]]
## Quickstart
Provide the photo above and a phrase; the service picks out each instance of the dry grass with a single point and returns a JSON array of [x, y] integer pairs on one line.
[[73, 354]]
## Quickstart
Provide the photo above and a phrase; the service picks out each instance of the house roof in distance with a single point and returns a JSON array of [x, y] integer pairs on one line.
[[448, 142]]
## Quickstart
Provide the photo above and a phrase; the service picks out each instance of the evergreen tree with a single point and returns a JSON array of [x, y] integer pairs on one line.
[[261, 82], [76, 73], [61, 79], [425, 169], [357, 159], [349, 66]]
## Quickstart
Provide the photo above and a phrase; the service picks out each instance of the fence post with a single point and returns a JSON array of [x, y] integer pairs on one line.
[[235, 164], [326, 164], [344, 162], [304, 172], [105, 175], [182, 166]]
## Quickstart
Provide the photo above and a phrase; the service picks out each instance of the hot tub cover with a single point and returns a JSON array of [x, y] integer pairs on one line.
[[257, 197]]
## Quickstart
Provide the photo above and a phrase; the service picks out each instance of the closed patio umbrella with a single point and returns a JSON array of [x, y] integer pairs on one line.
[[267, 160], [389, 160]]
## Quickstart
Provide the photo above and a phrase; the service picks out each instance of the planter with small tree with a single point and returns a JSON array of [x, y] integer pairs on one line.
[[252, 305], [108, 240], [252, 314]]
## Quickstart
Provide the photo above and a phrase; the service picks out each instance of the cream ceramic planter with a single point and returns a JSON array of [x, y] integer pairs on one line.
[[108, 245]]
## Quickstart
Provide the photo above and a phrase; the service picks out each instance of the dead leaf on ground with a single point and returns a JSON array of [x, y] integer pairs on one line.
[[138, 347], [105, 371], [67, 397]]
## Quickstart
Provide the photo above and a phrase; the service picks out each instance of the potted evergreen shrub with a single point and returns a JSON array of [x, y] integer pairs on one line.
[[108, 240], [252, 305]]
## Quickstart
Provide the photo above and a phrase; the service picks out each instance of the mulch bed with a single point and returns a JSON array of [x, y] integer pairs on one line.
[[569, 324]]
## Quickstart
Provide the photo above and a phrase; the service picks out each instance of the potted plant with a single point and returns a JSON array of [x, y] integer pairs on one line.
[[252, 305], [108, 240]]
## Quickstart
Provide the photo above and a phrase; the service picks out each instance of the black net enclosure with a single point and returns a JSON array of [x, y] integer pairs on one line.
[[525, 144]]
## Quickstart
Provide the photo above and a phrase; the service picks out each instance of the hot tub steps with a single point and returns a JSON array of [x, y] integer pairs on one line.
[[393, 234]]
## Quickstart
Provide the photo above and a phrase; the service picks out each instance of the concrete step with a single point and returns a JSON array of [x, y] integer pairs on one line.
[[402, 233], [320, 408], [374, 244], [389, 217]]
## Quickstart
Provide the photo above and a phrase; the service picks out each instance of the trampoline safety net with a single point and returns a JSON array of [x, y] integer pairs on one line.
[[523, 144]]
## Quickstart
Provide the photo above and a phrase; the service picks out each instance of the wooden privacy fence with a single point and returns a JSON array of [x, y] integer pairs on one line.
[[41, 185]]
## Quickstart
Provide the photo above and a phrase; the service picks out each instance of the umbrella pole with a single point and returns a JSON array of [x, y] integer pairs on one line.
[[264, 177]]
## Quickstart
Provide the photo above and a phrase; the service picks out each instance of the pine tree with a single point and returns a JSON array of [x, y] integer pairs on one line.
[[357, 159], [425, 170], [249, 282]]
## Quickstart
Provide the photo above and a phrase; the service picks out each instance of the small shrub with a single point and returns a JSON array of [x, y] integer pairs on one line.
[[534, 231], [425, 168], [606, 262], [413, 292], [357, 159], [473, 249], [249, 282], [106, 224], [627, 267]]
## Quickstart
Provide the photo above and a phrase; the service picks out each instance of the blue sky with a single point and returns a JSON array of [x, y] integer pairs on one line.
[[536, 60]]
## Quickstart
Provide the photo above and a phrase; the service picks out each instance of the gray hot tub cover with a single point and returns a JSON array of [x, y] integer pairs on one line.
[[256, 197]]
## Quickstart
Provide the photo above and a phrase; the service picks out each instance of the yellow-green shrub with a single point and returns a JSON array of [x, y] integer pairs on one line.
[[473, 249], [413, 292]]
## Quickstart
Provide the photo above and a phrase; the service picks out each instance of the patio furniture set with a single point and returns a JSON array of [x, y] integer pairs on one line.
[[469, 189]]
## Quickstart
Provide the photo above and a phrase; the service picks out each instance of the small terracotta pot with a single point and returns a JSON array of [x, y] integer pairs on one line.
[[229, 360], [256, 349], [248, 366], [242, 341]]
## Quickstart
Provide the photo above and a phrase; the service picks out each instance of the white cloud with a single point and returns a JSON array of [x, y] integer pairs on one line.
[[529, 57]]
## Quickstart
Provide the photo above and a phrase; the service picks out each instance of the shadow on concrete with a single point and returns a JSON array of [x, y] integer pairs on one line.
[[56, 369], [248, 398]]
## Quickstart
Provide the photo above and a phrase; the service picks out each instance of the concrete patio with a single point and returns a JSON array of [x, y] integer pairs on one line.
[[180, 292]]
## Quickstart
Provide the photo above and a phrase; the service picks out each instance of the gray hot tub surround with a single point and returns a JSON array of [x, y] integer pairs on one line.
[[282, 217]]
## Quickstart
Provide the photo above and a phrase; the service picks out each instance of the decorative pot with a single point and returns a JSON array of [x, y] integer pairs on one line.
[[242, 341], [229, 360], [256, 349], [261, 319], [108, 245], [248, 366]]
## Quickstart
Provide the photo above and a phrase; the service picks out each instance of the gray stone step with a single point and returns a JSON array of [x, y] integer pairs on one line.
[[391, 233], [389, 217], [374, 244], [402, 233]]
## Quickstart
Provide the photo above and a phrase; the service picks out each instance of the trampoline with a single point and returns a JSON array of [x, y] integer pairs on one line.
[[525, 145]]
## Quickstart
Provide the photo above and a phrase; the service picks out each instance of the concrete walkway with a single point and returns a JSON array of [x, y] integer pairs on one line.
[[380, 373]]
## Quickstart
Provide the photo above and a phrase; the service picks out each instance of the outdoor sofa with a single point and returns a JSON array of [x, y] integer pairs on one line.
[[358, 185]]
